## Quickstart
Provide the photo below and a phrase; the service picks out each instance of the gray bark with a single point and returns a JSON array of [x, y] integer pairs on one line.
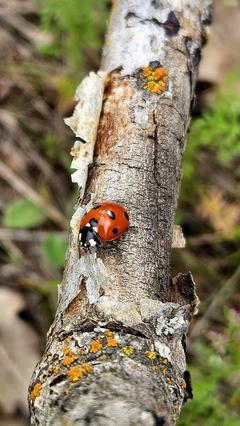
[[115, 353]]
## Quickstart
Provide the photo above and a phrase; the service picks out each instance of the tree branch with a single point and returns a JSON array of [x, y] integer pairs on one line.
[[116, 352]]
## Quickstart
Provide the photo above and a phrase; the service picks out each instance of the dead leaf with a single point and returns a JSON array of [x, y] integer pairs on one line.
[[18, 353]]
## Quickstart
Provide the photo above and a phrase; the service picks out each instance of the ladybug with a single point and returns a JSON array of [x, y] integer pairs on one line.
[[105, 222]]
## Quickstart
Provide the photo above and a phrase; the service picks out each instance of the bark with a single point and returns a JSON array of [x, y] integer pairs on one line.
[[116, 351]]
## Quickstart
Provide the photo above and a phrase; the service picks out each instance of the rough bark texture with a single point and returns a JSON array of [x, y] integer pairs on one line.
[[115, 353]]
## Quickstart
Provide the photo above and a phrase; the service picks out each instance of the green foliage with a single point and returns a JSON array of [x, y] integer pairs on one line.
[[54, 250], [23, 214], [217, 130], [48, 287], [216, 386], [76, 26]]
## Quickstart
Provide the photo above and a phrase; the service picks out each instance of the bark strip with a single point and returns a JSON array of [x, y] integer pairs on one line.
[[116, 353]]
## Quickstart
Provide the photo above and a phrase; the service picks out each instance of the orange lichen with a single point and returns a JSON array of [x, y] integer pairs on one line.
[[75, 373], [36, 391], [95, 346], [66, 350], [156, 80], [151, 355], [184, 384], [69, 358], [82, 352], [108, 333], [112, 342], [128, 350]]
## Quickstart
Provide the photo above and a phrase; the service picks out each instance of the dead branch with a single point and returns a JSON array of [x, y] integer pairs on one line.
[[115, 353]]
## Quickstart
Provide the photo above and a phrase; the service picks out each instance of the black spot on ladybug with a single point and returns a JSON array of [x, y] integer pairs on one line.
[[111, 214], [97, 207], [126, 215], [171, 25], [115, 231], [93, 222]]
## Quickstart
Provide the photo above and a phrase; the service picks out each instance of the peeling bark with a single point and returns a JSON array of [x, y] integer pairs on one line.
[[115, 353]]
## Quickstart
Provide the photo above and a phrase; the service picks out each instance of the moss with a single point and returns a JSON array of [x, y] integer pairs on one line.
[[128, 350], [36, 391], [75, 373], [155, 80], [95, 346]]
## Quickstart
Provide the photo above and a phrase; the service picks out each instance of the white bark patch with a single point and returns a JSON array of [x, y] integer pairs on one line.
[[163, 350], [178, 239], [137, 36], [175, 326], [93, 270], [84, 123], [119, 311], [151, 308]]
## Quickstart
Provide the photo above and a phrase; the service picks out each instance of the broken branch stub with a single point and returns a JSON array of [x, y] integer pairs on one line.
[[115, 351]]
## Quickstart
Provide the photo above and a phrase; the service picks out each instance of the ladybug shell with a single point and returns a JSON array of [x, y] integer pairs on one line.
[[112, 220]]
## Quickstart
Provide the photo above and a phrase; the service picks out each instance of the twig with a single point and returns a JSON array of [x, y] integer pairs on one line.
[[219, 300]]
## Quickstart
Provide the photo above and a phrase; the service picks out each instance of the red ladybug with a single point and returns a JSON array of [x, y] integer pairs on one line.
[[105, 222]]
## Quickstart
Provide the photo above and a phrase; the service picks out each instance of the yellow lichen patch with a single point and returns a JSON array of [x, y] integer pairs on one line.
[[168, 380], [75, 373], [108, 333], [153, 368], [164, 371], [112, 342], [128, 350], [183, 385], [36, 391], [82, 352], [95, 346], [164, 361], [151, 355], [55, 369], [156, 80], [102, 357]]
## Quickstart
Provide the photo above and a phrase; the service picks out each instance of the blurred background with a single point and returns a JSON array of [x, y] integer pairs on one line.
[[46, 48]]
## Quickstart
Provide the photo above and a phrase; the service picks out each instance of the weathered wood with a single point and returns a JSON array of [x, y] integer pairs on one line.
[[115, 353]]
